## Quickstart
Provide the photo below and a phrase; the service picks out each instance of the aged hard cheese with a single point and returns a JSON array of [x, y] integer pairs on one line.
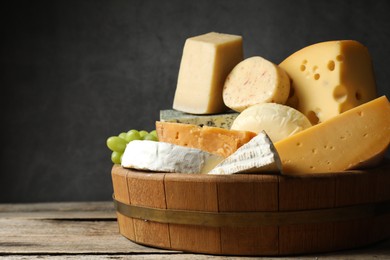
[[214, 140], [258, 155], [329, 78], [223, 120], [206, 61], [344, 142], [255, 80], [164, 157], [278, 121]]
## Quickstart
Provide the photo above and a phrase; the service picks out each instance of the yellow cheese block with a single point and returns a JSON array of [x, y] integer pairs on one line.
[[206, 61], [329, 78], [344, 142], [214, 140], [253, 81]]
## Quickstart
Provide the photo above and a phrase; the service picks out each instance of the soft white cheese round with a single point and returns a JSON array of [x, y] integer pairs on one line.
[[166, 157], [278, 121]]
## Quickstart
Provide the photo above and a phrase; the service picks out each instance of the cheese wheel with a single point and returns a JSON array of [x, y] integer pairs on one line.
[[329, 78], [350, 140], [253, 81], [278, 121], [165, 157]]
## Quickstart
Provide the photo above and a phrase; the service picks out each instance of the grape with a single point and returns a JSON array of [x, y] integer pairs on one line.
[[122, 135], [116, 144], [150, 137], [116, 157], [142, 133], [132, 135], [154, 132]]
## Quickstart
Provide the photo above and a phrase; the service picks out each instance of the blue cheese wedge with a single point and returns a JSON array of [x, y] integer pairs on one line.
[[224, 120], [258, 155], [165, 157]]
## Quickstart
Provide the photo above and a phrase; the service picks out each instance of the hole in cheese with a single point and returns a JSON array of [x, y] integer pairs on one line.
[[331, 65], [340, 94], [312, 116], [317, 76], [340, 58], [358, 96], [303, 67]]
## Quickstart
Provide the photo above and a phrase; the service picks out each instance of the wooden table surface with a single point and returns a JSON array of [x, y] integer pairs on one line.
[[88, 230]]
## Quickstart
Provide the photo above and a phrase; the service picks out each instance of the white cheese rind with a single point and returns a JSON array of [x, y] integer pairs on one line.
[[165, 157], [258, 155]]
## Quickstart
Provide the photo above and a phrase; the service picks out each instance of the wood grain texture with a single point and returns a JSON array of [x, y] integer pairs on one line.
[[89, 231], [148, 190], [265, 193], [199, 193], [121, 191]]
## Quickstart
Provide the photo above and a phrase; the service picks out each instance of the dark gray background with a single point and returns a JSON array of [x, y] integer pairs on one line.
[[75, 72]]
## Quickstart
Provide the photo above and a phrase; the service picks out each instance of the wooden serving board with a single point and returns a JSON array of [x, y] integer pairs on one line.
[[256, 214]]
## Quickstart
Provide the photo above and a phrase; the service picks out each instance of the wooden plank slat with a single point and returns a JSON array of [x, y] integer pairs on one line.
[[305, 193], [249, 193], [80, 238], [56, 210], [147, 189], [121, 191], [193, 192]]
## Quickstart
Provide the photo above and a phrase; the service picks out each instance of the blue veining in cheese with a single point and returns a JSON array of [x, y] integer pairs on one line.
[[224, 120]]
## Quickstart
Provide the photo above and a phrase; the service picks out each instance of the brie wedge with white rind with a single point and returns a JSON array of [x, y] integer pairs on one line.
[[258, 155], [165, 157], [278, 121]]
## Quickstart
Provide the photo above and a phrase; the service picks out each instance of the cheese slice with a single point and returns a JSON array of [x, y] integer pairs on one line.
[[258, 155], [328, 78], [223, 120], [255, 80], [278, 121], [359, 135], [164, 157], [214, 140], [206, 61]]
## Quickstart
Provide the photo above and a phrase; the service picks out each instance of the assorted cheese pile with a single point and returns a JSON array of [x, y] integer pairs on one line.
[[316, 112]]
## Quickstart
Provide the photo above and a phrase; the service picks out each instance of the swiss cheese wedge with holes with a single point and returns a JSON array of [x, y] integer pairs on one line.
[[328, 78], [347, 141], [214, 140]]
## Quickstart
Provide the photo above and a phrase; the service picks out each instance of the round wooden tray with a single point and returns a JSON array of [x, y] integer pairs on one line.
[[254, 214]]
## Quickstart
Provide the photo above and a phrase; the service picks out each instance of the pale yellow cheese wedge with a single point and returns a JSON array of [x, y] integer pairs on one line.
[[329, 78], [278, 121], [359, 135], [254, 81], [214, 140], [206, 61]]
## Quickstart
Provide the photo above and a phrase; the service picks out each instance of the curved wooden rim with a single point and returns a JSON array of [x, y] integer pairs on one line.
[[252, 219]]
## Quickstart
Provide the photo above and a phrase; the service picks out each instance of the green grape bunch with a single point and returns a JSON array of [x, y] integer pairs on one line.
[[117, 144]]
